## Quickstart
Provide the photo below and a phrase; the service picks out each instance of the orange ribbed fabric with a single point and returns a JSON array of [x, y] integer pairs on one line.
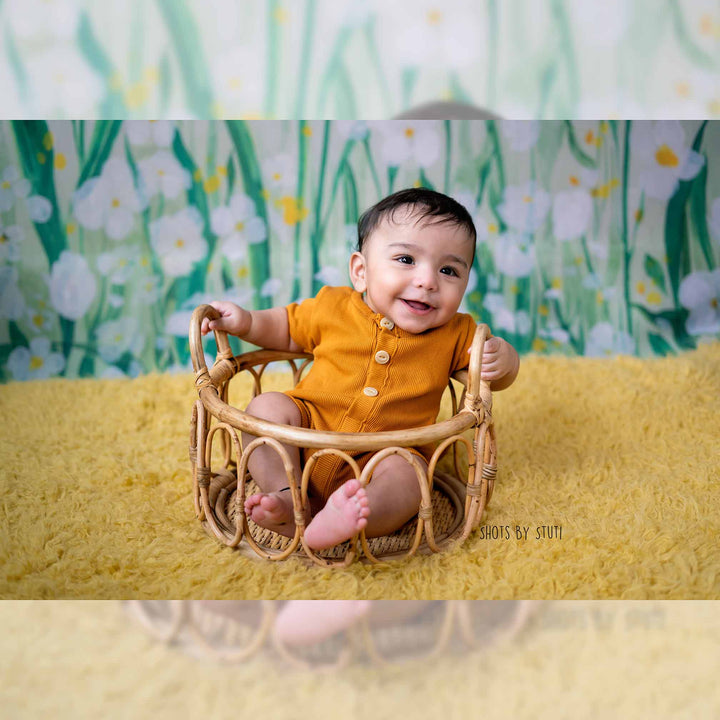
[[369, 375]]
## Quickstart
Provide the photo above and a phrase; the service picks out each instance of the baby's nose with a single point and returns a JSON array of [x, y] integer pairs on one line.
[[425, 277]]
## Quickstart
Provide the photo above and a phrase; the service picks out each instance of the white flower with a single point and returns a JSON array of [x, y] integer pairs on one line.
[[512, 322], [12, 303], [663, 158], [515, 255], [117, 337], [39, 316], [700, 293], [36, 362], [410, 140], [238, 225], [524, 207], [178, 324], [150, 132], [117, 264], [599, 248], [239, 80], [72, 285], [32, 18], [162, 173], [555, 333], [494, 302], [591, 281], [432, 34], [177, 239], [572, 212], [63, 84], [39, 208], [603, 341], [281, 172], [115, 300], [12, 186], [148, 289], [109, 201], [329, 275], [10, 239], [522, 134], [351, 129], [270, 287]]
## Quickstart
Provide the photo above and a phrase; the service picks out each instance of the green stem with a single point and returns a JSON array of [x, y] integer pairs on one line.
[[272, 59], [302, 155], [373, 169], [318, 235], [627, 255], [493, 36], [308, 27], [448, 154]]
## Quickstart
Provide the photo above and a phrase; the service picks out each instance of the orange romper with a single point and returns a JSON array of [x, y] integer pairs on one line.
[[369, 375]]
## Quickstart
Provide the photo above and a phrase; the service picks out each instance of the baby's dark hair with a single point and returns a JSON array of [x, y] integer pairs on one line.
[[428, 203]]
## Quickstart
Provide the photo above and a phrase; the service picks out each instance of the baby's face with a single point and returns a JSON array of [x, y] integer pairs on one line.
[[414, 271]]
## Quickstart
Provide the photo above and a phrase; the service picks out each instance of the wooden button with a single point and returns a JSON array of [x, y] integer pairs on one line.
[[387, 324], [370, 391], [382, 357]]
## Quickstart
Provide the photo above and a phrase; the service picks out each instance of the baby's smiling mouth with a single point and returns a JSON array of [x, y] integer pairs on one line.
[[417, 306]]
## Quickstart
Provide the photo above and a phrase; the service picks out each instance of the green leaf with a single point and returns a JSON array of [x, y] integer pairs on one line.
[[698, 214], [408, 81], [16, 63], [655, 271], [676, 318], [17, 338], [114, 104], [578, 153], [660, 345], [185, 35], [37, 157], [105, 133], [676, 235], [425, 180]]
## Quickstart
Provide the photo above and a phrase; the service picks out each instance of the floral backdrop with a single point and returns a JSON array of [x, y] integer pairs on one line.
[[358, 58], [594, 237]]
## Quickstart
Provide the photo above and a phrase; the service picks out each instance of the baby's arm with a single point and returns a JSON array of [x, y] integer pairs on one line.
[[264, 328], [500, 363]]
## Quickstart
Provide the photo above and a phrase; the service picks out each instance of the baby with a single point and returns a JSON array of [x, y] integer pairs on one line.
[[382, 352]]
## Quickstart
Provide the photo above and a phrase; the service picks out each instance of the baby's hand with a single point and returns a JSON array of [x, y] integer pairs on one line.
[[233, 319], [499, 360]]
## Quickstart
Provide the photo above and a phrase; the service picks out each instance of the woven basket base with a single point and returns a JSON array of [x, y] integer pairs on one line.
[[448, 500]]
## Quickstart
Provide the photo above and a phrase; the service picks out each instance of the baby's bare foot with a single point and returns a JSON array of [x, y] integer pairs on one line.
[[345, 513], [304, 622], [269, 509]]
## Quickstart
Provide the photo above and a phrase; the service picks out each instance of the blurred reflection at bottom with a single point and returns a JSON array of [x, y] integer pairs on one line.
[[357, 658]]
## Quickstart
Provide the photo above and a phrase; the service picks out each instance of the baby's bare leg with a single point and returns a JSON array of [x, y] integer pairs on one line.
[[393, 494], [390, 499], [273, 508]]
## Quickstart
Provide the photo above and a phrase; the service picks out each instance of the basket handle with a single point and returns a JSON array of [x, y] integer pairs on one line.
[[478, 390], [196, 349]]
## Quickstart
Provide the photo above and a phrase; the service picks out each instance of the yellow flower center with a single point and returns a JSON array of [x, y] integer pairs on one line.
[[307, 131], [492, 228], [276, 176], [666, 157], [239, 226], [543, 310], [527, 199], [115, 202], [38, 320], [538, 345], [118, 338], [574, 181], [161, 172], [6, 185], [589, 137], [409, 132], [682, 89], [179, 243], [122, 262], [557, 283], [60, 161], [3, 239], [641, 288], [599, 297], [654, 298], [212, 184], [242, 272], [36, 362], [434, 17], [714, 303], [235, 82]]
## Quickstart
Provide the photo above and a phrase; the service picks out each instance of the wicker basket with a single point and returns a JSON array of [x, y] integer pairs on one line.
[[451, 505]]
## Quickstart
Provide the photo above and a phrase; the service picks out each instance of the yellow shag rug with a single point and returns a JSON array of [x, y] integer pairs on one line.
[[623, 454], [574, 659]]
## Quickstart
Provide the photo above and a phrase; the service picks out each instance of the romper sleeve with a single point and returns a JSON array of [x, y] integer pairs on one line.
[[465, 335], [303, 321]]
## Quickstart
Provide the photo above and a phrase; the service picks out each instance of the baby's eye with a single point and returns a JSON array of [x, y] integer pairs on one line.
[[448, 270], [405, 259]]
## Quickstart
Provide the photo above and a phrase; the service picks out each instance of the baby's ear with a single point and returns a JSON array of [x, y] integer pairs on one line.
[[357, 272]]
